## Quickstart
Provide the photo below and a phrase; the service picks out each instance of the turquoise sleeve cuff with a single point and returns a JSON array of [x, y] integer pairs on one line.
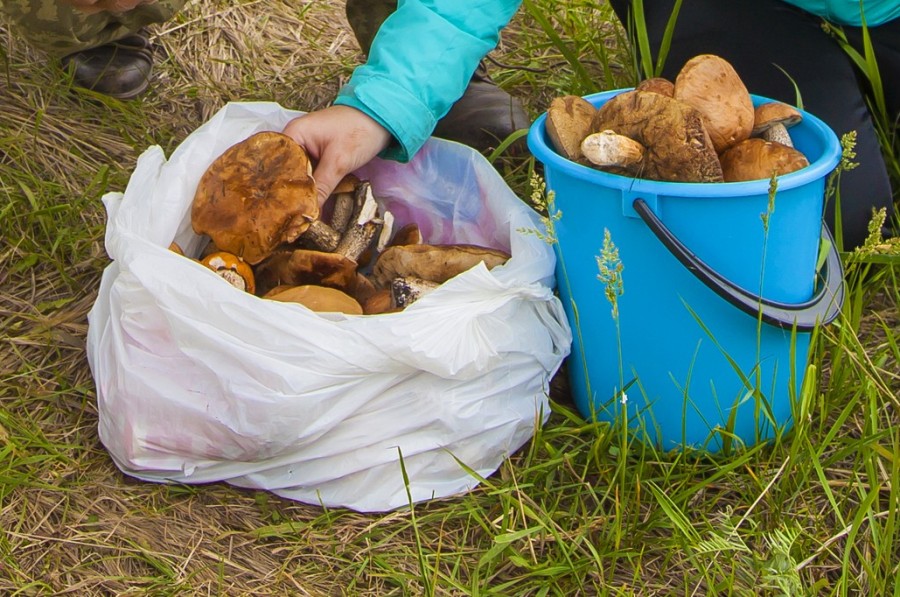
[[407, 119], [420, 63]]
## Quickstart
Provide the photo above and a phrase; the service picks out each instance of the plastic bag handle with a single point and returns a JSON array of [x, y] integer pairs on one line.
[[822, 308]]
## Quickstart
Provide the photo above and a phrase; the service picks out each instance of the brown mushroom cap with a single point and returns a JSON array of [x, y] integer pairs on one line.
[[348, 184], [258, 194], [755, 158], [320, 299], [364, 288], [278, 289], [409, 234], [380, 302], [435, 263], [711, 85], [235, 270], [568, 123], [678, 148], [659, 85], [303, 266], [769, 114]]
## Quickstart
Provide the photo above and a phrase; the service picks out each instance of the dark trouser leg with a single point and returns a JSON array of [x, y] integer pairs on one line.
[[481, 118], [761, 39], [366, 16]]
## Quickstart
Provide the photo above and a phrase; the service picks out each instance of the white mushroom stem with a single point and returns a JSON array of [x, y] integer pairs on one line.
[[778, 133], [607, 148], [406, 291], [364, 227], [387, 229]]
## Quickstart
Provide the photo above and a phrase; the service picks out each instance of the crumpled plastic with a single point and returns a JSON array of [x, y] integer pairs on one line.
[[199, 382]]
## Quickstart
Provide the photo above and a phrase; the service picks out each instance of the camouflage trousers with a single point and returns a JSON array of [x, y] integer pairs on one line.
[[60, 29]]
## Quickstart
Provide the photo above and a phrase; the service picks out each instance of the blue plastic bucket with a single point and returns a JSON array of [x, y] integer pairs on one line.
[[712, 335]]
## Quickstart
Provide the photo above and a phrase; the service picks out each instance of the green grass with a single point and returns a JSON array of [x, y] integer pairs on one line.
[[582, 509]]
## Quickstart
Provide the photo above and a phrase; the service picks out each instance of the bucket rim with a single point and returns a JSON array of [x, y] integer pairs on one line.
[[818, 169]]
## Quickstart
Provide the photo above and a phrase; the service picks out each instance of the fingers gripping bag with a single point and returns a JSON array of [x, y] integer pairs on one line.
[[200, 382]]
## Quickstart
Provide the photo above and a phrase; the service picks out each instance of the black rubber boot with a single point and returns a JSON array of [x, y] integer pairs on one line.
[[482, 118], [119, 69]]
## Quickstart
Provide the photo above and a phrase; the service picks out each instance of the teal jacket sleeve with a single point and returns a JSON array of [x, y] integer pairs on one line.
[[847, 12], [421, 62]]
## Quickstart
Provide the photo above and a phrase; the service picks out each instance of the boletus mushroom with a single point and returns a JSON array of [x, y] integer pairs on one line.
[[407, 290], [755, 158], [343, 198], [435, 263], [408, 234], [233, 269], [300, 267], [258, 194], [319, 298], [568, 123], [677, 145], [613, 151], [659, 85], [380, 302], [711, 85], [772, 120]]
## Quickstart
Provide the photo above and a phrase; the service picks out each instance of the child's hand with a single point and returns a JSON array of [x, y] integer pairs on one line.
[[338, 139]]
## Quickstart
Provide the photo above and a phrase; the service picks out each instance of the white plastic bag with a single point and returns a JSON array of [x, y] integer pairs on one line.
[[200, 382]]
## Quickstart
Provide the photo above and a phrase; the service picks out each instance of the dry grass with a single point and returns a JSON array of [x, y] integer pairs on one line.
[[73, 524], [566, 516]]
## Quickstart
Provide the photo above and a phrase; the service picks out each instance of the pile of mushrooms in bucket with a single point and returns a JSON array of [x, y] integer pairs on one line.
[[258, 205], [702, 127]]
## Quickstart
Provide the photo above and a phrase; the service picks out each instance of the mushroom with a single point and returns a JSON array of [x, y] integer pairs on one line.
[[711, 85], [385, 232], [756, 158], [659, 85], [407, 235], [435, 263], [364, 224], [408, 289], [343, 202], [380, 302], [258, 194], [363, 289], [320, 299], [772, 120], [611, 150], [299, 267], [278, 289], [677, 145], [568, 123], [233, 269]]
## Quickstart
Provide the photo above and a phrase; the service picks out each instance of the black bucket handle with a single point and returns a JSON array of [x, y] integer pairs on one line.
[[822, 308]]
